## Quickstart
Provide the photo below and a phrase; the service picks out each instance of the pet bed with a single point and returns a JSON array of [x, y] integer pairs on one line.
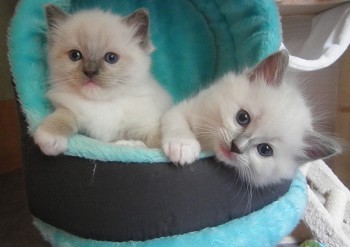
[[98, 194]]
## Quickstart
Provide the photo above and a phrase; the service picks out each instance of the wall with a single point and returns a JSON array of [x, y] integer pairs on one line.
[[6, 11], [10, 155], [341, 164]]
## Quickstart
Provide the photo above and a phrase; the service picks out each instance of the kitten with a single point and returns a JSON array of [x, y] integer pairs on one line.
[[100, 80], [253, 121]]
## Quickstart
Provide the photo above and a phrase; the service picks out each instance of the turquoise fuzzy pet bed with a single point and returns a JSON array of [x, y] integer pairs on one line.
[[98, 194]]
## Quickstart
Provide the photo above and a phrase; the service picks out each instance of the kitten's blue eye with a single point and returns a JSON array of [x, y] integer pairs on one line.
[[75, 55], [265, 150], [111, 57], [243, 118]]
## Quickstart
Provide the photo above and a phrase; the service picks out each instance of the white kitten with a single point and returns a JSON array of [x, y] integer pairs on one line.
[[253, 121], [100, 80]]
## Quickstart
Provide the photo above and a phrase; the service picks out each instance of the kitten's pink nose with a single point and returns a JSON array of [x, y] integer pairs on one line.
[[234, 148]]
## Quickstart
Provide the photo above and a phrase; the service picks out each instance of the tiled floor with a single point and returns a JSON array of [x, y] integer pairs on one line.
[[16, 229]]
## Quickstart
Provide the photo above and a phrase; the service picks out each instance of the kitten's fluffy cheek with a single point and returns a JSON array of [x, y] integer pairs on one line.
[[264, 170]]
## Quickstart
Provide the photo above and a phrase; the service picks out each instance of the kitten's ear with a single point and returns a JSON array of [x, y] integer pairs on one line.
[[318, 147], [271, 69], [139, 21], [54, 15]]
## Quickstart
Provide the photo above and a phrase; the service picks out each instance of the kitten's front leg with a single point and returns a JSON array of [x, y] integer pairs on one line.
[[53, 133], [179, 143]]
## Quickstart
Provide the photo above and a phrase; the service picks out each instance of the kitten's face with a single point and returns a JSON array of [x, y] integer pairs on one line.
[[265, 124], [96, 54], [262, 131]]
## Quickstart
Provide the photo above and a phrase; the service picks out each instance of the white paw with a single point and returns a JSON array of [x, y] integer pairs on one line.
[[182, 151], [49, 143], [131, 143]]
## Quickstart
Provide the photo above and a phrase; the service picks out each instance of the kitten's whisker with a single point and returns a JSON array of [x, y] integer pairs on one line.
[[239, 178], [208, 120], [207, 130], [209, 135], [55, 80], [235, 178], [59, 84], [250, 190], [242, 173], [225, 135]]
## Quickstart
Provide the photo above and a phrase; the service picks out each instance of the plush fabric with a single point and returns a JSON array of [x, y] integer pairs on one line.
[[265, 227], [196, 42]]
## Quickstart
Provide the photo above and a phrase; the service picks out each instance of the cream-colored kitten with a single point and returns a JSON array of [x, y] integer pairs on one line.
[[100, 80], [252, 121]]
